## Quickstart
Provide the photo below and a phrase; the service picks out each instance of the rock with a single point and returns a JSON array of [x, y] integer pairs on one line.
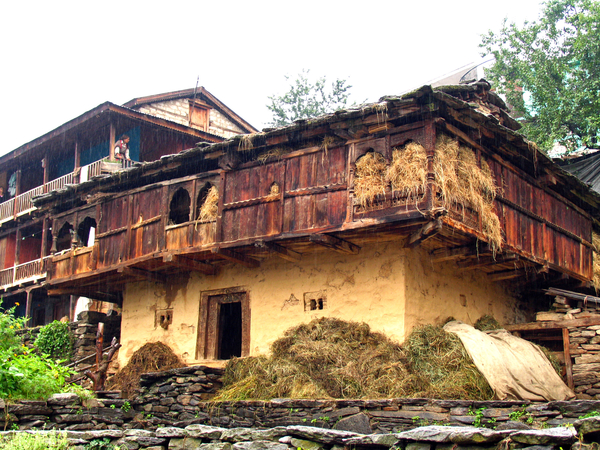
[[560, 436], [380, 440], [252, 434], [139, 433], [186, 443], [358, 423], [589, 428], [215, 446], [259, 445], [513, 425], [171, 432], [418, 446], [204, 431], [322, 435], [103, 434], [456, 435]]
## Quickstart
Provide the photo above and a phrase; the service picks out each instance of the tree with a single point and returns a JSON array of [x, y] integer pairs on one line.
[[548, 70], [306, 99]]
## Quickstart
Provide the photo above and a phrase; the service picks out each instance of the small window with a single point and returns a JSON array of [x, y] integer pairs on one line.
[[179, 209], [315, 301], [63, 241], [199, 115], [86, 232], [274, 189]]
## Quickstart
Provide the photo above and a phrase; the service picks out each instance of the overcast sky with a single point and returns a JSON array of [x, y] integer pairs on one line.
[[61, 59]]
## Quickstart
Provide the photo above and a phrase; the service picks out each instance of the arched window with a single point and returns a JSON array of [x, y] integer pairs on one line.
[[179, 209], [86, 231], [207, 203], [63, 241]]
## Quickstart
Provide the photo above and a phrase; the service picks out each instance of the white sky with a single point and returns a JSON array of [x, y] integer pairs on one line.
[[61, 59]]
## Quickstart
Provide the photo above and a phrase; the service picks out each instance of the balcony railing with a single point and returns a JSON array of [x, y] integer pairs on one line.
[[22, 203], [23, 273]]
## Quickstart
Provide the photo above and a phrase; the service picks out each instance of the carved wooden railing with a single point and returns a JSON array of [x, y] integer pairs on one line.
[[31, 269], [7, 276], [94, 169], [7, 210], [59, 183], [24, 203]]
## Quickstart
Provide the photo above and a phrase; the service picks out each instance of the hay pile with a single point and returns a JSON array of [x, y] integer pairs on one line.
[[151, 357], [460, 180], [369, 178], [596, 261], [209, 209], [332, 358], [487, 323]]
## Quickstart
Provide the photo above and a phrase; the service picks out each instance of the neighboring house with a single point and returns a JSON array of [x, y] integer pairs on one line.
[[585, 167], [365, 215], [74, 153]]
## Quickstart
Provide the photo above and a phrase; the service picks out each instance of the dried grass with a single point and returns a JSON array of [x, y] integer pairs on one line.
[[276, 152], [332, 358], [487, 323], [369, 178], [407, 173], [210, 208], [596, 261], [461, 182], [151, 357]]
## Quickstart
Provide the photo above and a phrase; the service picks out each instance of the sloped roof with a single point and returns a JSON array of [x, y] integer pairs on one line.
[[474, 107], [199, 92], [586, 168]]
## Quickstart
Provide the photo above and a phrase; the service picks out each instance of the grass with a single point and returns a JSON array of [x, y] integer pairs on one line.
[[34, 441], [332, 358], [151, 357]]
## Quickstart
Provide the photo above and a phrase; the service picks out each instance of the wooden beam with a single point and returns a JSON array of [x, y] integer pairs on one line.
[[285, 253], [335, 243], [145, 274], [427, 231], [506, 274], [554, 325], [190, 264], [487, 260], [568, 361], [235, 257], [448, 254]]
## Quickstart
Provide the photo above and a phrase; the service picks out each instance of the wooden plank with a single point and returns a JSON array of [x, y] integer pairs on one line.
[[448, 254], [280, 251], [144, 274], [568, 361], [427, 231], [554, 325], [335, 243], [235, 257], [190, 264]]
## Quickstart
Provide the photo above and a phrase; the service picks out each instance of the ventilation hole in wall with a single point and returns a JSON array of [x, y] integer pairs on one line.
[[314, 301]]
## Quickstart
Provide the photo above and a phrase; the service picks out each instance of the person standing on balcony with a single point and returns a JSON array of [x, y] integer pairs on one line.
[[122, 149], [3, 198]]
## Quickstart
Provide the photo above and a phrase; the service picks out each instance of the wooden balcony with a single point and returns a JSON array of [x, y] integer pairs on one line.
[[22, 204], [25, 273]]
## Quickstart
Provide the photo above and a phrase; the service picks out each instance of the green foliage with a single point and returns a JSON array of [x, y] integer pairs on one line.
[[126, 406], [55, 340], [306, 99], [37, 441], [9, 324], [548, 71], [23, 373], [590, 414]]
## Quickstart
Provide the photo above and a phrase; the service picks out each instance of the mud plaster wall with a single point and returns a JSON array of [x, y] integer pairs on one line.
[[377, 286], [435, 292]]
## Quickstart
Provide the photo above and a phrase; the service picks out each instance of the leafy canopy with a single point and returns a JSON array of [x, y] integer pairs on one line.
[[548, 70], [306, 99]]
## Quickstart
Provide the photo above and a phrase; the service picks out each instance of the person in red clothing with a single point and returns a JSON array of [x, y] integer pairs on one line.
[[122, 148]]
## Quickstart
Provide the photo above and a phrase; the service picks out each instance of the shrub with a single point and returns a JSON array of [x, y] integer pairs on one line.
[[34, 441], [9, 324], [55, 340]]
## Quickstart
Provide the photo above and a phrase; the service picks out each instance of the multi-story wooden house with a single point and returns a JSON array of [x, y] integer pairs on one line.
[[78, 152], [401, 212]]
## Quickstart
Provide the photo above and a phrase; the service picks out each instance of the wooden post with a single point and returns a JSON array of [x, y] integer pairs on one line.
[[72, 304], [44, 250], [28, 306], [111, 142], [46, 172], [77, 163], [567, 353], [99, 344]]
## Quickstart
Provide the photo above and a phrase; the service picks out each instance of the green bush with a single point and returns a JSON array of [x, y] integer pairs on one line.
[[23, 373], [55, 340], [27, 441]]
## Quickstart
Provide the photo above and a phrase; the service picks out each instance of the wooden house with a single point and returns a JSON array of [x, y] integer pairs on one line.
[[405, 211], [82, 150]]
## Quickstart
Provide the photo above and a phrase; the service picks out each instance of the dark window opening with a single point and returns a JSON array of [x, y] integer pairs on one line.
[[207, 203], [63, 241], [179, 209], [315, 301], [84, 230], [230, 330]]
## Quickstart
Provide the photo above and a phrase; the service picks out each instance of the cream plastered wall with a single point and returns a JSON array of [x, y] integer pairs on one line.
[[435, 292], [390, 288]]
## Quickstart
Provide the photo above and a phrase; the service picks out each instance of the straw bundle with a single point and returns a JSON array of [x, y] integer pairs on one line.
[[596, 261], [407, 173], [369, 178], [209, 209]]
